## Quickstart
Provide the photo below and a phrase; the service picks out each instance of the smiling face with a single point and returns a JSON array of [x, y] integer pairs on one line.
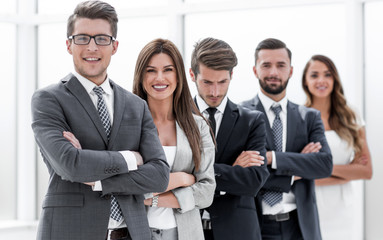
[[160, 78], [212, 85], [91, 61], [319, 80], [273, 69]]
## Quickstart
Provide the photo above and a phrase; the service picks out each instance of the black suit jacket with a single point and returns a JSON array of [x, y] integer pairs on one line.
[[234, 214], [304, 125]]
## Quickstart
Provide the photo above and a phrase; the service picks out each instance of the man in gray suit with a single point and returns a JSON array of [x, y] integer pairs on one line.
[[96, 188]]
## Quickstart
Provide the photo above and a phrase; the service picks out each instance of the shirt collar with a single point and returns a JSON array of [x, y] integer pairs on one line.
[[268, 102], [203, 106], [89, 85]]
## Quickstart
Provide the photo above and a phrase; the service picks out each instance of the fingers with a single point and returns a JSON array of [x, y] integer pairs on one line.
[[72, 139], [312, 148], [249, 159]]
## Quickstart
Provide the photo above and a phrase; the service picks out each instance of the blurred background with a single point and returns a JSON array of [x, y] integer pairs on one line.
[[33, 55]]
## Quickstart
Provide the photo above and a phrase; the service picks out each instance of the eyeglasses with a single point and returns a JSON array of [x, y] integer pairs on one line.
[[84, 39]]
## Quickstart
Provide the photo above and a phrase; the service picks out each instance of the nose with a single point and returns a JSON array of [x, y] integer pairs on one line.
[[274, 71], [160, 76], [214, 90], [92, 46]]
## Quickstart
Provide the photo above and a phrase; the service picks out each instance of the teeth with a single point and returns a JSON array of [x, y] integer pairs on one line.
[[91, 59], [160, 86]]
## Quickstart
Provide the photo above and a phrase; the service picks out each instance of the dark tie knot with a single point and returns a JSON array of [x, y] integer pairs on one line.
[[211, 111], [276, 109], [98, 90]]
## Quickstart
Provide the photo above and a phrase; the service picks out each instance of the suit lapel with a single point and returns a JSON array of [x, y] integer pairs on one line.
[[229, 119], [76, 88], [293, 122], [119, 107], [269, 134]]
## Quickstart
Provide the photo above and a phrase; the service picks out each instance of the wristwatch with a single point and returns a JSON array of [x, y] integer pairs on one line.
[[155, 201]]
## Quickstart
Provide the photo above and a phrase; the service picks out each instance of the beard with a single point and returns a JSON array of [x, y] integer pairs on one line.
[[273, 89]]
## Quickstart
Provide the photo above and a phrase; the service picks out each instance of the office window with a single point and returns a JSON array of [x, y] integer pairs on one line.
[[67, 7], [304, 29], [374, 114], [8, 123], [7, 7]]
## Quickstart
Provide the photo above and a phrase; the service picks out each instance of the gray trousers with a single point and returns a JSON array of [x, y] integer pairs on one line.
[[164, 234]]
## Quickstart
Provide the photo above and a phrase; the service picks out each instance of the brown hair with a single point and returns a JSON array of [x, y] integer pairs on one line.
[[271, 44], [183, 104], [342, 118], [93, 10], [214, 54]]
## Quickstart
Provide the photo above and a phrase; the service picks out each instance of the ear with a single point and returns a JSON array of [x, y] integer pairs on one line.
[[231, 75], [255, 71], [291, 71], [115, 47], [192, 75], [68, 45]]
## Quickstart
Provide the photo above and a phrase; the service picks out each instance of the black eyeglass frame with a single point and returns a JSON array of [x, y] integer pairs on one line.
[[73, 37]]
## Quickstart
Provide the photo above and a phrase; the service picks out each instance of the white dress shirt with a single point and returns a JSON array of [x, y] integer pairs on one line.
[[129, 157], [218, 114], [288, 199]]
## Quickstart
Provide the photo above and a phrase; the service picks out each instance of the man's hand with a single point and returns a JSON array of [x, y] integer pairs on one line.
[[72, 139], [89, 183], [249, 159], [139, 159], [312, 148]]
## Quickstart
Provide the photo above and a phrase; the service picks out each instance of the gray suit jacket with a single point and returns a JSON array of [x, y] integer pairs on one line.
[[304, 125], [199, 195], [71, 210]]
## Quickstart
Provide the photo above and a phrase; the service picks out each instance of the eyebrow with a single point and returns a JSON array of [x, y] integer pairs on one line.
[[170, 65]]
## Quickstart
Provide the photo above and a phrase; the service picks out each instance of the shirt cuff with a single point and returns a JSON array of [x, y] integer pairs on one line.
[[97, 186], [273, 160], [130, 160]]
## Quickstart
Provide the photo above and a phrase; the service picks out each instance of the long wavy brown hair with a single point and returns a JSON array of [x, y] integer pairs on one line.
[[183, 104], [342, 118]]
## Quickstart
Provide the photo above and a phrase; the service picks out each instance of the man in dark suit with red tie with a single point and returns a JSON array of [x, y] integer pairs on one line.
[[239, 168]]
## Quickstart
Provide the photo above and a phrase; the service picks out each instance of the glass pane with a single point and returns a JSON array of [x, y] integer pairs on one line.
[[7, 7], [374, 114], [304, 29], [54, 62], [8, 108], [67, 7]]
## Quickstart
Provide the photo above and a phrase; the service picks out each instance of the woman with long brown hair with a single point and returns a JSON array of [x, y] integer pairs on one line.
[[160, 79], [346, 137]]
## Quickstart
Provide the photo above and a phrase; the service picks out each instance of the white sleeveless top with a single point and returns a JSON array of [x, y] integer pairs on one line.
[[337, 204], [160, 217]]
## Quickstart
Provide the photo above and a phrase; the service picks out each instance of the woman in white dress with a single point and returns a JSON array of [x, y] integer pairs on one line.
[[160, 79], [347, 140]]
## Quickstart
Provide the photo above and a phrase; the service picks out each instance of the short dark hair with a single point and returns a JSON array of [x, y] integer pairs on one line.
[[271, 43], [214, 54], [93, 10]]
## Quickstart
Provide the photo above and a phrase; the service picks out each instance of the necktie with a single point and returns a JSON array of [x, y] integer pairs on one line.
[[274, 197], [115, 210], [211, 112]]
